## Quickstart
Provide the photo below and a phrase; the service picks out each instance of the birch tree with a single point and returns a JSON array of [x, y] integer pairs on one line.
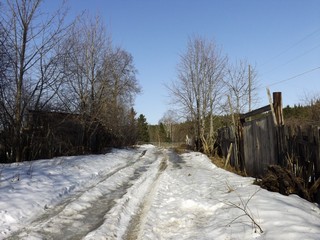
[[198, 87], [169, 120]]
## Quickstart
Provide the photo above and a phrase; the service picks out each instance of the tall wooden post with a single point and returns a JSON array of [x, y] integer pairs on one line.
[[277, 105], [235, 132], [278, 112]]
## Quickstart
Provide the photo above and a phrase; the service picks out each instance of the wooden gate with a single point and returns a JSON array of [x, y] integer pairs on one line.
[[259, 145], [258, 139]]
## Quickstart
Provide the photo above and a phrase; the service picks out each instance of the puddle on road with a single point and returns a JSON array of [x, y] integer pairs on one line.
[[78, 225], [138, 172], [91, 219], [175, 159]]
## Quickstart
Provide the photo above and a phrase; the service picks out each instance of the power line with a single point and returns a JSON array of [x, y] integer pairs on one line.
[[292, 59], [292, 46], [290, 78]]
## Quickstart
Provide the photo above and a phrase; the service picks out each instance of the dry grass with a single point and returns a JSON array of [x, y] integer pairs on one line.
[[220, 162], [181, 148]]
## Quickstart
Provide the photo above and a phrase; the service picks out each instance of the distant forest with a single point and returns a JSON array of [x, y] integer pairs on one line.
[[172, 132], [300, 115]]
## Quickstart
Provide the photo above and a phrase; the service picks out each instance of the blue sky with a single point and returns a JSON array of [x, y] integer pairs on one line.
[[280, 37]]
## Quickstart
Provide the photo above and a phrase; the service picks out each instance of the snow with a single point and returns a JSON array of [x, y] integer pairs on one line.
[[144, 193]]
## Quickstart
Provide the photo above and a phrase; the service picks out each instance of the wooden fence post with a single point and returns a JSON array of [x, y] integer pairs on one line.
[[277, 106], [278, 114], [272, 107], [235, 132]]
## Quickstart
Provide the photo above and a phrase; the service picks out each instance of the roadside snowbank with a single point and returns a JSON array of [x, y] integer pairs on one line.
[[166, 196], [201, 201], [28, 189]]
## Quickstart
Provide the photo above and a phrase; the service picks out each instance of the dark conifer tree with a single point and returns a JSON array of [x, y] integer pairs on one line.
[[143, 134]]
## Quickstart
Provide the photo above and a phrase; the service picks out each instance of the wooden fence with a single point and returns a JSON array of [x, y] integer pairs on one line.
[[261, 139], [253, 145], [302, 145]]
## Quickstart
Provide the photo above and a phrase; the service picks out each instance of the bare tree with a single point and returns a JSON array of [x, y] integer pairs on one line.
[[31, 39], [118, 77], [84, 51], [241, 83], [169, 120], [117, 88], [199, 86], [100, 79], [5, 73]]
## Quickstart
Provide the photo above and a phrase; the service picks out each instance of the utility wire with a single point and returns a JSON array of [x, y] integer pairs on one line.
[[292, 59], [292, 46], [290, 78]]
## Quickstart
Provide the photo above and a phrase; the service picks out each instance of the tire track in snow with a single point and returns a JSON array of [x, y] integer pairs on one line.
[[138, 221], [61, 223]]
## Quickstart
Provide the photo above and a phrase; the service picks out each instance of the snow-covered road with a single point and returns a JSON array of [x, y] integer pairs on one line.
[[144, 193]]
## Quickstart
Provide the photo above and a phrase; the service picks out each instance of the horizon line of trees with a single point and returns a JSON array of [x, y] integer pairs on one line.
[[50, 65], [172, 129]]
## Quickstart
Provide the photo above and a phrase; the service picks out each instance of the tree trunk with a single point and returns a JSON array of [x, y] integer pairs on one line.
[[19, 108]]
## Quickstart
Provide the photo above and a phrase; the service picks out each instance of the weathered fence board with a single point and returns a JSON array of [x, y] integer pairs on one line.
[[303, 150], [259, 145], [225, 138]]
